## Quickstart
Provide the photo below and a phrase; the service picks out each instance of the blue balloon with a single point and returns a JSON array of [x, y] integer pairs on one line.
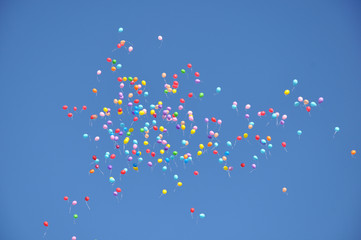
[[119, 66], [140, 159], [146, 94], [226, 153], [202, 215], [295, 82], [96, 161], [255, 157], [154, 122], [135, 141], [263, 142], [263, 151], [126, 152], [220, 160], [175, 177], [120, 30], [337, 129], [147, 124], [313, 104], [229, 144], [218, 89], [270, 146], [111, 180], [299, 132], [296, 104], [234, 107], [167, 160], [164, 168], [85, 135]]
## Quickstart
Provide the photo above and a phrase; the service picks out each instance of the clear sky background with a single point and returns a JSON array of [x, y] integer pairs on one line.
[[50, 52]]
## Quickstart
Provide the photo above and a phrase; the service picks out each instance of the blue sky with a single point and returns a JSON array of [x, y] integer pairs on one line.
[[49, 55]]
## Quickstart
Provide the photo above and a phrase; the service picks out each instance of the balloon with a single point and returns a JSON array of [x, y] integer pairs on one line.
[[308, 109], [70, 114], [175, 177], [75, 216], [74, 203], [99, 72], [295, 82], [202, 215], [111, 180], [218, 89], [164, 191], [287, 92], [160, 38], [353, 152], [196, 74], [296, 104], [179, 184], [299, 132], [192, 210], [65, 107], [243, 164], [254, 166], [46, 224], [300, 99], [87, 198], [130, 49], [196, 172], [95, 90], [284, 189], [73, 238], [248, 106], [337, 129], [118, 190], [283, 144], [66, 198], [320, 100], [120, 30]]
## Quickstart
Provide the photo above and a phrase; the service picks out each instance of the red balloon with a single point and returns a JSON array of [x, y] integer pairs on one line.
[[112, 156], [117, 146], [192, 210], [132, 83], [155, 128], [215, 152], [140, 92], [175, 76], [66, 198], [213, 119], [94, 157], [119, 189], [135, 119], [87, 198], [65, 107], [196, 173], [122, 172], [257, 137], [189, 65], [70, 114], [308, 108], [46, 224], [270, 110], [196, 74], [153, 154], [263, 113], [84, 107], [96, 166], [147, 151], [283, 144], [190, 95], [182, 100], [117, 130], [75, 108], [136, 101], [175, 83], [134, 152], [239, 138], [119, 45], [243, 164], [109, 59], [120, 79]]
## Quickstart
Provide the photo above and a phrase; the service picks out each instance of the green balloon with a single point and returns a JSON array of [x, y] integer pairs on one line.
[[75, 216], [114, 61], [175, 153], [183, 71], [142, 130], [176, 114], [130, 79], [165, 91], [201, 95], [128, 134]]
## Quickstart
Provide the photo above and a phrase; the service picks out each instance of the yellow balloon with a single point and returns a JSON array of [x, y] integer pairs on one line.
[[193, 131], [287, 92], [179, 184], [125, 79], [174, 91], [126, 140], [120, 113], [144, 83], [146, 143], [161, 151], [168, 145], [199, 153], [183, 127], [131, 129], [160, 103], [105, 109], [160, 160], [161, 128], [135, 168], [245, 135], [201, 146], [152, 112], [141, 113], [225, 168], [164, 191], [120, 102]]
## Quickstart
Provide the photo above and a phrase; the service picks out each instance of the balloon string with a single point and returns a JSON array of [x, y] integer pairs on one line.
[[87, 205]]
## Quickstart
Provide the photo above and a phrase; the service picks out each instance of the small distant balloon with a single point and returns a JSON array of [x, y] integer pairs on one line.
[[120, 30], [160, 38]]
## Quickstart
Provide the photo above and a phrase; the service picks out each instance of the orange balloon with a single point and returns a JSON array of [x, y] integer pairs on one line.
[[113, 68], [122, 42], [353, 152], [135, 79], [209, 144], [216, 135], [130, 95], [305, 101], [284, 189], [164, 75], [91, 171], [95, 90], [268, 138]]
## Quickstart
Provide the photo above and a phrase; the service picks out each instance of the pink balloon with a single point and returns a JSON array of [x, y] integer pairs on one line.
[[190, 113], [99, 72], [300, 99], [195, 127], [121, 85], [101, 114], [191, 118], [219, 121], [235, 103], [259, 114], [74, 203], [211, 133], [130, 49], [96, 138], [284, 117], [160, 38], [112, 137], [180, 107], [73, 238], [247, 106], [105, 126]]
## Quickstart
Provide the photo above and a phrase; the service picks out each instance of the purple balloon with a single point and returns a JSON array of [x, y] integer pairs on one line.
[[110, 167], [115, 193], [254, 166], [130, 158], [206, 120], [247, 115], [210, 136], [197, 81], [150, 164], [320, 100], [166, 148], [120, 133], [109, 122], [130, 104], [282, 122], [178, 126]]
